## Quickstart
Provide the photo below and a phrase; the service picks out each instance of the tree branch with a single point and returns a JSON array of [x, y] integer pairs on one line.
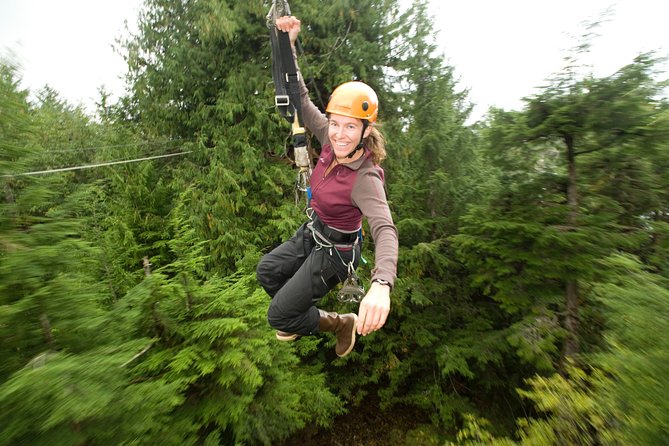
[[137, 355], [589, 151]]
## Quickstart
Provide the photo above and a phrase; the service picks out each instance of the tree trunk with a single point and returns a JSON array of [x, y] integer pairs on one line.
[[46, 329], [147, 266], [9, 194], [572, 320], [433, 211]]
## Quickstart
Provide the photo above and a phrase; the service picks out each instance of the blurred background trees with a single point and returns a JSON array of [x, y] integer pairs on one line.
[[533, 266]]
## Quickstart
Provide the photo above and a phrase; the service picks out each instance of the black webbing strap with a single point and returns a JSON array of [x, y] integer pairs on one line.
[[284, 70], [290, 79], [287, 97], [281, 98]]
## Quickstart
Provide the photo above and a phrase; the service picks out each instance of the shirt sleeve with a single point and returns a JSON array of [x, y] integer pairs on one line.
[[370, 197]]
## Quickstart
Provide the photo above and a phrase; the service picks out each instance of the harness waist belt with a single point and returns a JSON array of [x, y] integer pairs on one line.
[[332, 234]]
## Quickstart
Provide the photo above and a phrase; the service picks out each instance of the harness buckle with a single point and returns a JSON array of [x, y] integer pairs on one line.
[[292, 77], [282, 100]]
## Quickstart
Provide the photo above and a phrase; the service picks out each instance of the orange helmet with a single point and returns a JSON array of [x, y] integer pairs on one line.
[[355, 100]]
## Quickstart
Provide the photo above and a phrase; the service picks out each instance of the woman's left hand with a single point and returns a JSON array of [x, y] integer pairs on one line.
[[374, 309], [291, 25]]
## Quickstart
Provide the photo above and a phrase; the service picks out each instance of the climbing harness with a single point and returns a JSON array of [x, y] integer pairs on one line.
[[351, 290], [287, 97]]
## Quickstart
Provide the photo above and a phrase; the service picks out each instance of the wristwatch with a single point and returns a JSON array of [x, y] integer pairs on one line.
[[382, 282]]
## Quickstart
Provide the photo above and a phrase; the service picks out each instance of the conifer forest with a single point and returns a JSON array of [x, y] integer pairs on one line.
[[532, 299]]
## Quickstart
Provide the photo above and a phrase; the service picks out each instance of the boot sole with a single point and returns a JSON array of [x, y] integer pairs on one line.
[[287, 338], [350, 347]]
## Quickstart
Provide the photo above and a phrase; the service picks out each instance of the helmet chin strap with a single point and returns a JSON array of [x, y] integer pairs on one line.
[[365, 124]]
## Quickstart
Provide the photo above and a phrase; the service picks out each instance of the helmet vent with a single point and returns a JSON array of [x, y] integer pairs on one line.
[[365, 106]]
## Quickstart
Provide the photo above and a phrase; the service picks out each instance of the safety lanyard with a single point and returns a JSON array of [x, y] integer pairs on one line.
[[287, 98]]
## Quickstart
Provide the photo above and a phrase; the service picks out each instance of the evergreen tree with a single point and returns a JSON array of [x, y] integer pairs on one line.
[[222, 103], [620, 397], [534, 249], [59, 371], [48, 295], [506, 268], [227, 213]]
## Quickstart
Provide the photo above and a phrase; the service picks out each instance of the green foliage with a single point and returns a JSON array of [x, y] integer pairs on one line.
[[577, 187], [15, 121], [574, 415], [48, 296], [497, 222], [523, 265], [657, 251], [475, 432], [62, 381], [214, 344], [636, 394], [222, 104], [433, 162], [69, 399], [621, 398]]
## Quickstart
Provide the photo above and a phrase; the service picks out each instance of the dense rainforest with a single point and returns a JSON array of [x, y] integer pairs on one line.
[[532, 302]]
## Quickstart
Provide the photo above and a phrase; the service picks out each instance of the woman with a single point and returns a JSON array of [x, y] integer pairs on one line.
[[346, 184]]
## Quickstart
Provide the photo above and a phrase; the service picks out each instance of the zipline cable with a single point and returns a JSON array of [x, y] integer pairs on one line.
[[91, 166], [62, 159], [116, 146]]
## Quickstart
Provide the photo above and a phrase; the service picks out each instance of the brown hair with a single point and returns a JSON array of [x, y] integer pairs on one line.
[[376, 144]]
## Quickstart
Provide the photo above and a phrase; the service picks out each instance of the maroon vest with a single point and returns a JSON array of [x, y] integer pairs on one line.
[[331, 195]]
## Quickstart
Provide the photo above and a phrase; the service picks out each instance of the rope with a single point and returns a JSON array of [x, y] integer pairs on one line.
[[91, 166]]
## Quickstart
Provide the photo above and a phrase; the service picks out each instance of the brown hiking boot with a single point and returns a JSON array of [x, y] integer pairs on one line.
[[343, 326], [285, 336]]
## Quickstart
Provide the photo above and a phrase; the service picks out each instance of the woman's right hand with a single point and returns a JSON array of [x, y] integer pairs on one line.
[[291, 25]]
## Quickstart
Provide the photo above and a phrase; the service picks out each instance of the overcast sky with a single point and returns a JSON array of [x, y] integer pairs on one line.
[[501, 50], [67, 44]]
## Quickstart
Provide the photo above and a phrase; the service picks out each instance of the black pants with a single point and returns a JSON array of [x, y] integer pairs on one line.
[[297, 274]]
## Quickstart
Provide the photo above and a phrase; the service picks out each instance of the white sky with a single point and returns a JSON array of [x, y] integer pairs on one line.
[[501, 50], [67, 44]]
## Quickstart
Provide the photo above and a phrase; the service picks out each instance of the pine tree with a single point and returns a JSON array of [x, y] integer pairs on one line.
[[619, 398], [48, 294], [578, 184], [59, 370], [223, 105], [534, 249]]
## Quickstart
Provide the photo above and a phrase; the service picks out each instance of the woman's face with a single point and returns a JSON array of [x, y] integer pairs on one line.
[[344, 133]]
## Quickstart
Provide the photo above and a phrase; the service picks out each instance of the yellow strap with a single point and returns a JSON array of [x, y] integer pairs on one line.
[[297, 128]]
